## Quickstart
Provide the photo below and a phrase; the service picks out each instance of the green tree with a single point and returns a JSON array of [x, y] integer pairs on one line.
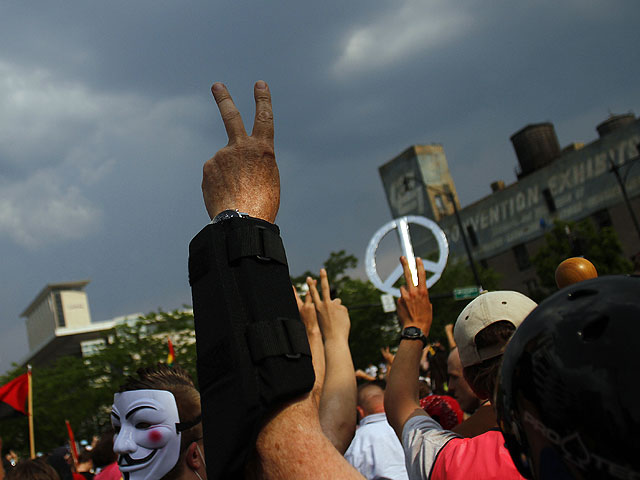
[[81, 389], [572, 239]]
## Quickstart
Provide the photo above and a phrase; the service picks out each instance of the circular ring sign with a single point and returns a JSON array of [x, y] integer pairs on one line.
[[402, 225]]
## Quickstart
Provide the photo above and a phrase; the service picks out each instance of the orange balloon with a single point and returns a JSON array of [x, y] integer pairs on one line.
[[573, 270]]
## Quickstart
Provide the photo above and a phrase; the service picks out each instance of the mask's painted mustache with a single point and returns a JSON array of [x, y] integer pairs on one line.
[[126, 460]]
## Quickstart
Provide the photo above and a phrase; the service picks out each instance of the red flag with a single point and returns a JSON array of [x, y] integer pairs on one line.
[[172, 354], [72, 444], [13, 396]]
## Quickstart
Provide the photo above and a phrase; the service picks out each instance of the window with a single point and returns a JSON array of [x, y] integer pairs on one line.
[[472, 235], [548, 199], [602, 218], [522, 256], [59, 311]]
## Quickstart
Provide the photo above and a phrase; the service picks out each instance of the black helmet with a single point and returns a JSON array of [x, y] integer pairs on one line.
[[568, 399]]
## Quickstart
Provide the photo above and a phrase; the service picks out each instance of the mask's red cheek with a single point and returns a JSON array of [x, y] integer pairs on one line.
[[155, 436]]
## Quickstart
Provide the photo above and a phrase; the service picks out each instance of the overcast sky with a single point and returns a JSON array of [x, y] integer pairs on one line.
[[106, 118]]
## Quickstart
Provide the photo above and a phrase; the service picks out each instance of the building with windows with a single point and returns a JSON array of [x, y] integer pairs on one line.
[[59, 323], [507, 227]]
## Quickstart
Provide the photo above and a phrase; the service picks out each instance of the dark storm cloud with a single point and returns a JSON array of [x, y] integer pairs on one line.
[[107, 119]]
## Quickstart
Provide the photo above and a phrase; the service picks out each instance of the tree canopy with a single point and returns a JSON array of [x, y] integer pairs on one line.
[[573, 239]]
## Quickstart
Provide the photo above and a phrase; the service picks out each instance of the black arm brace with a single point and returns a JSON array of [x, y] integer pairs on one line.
[[253, 352]]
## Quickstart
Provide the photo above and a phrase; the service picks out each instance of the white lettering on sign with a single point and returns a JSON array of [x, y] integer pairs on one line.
[[565, 187], [592, 166]]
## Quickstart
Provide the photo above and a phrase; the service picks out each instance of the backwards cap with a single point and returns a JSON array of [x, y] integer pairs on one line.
[[488, 308]]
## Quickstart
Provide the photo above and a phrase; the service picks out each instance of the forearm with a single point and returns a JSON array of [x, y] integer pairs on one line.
[[292, 446], [450, 339], [401, 396], [339, 394], [317, 355]]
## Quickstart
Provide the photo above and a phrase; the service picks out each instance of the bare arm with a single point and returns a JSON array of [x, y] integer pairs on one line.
[[414, 309], [310, 319], [361, 374], [448, 329], [339, 393]]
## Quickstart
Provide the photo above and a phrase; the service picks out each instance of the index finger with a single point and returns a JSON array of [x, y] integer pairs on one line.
[[263, 122], [298, 299], [313, 290], [228, 111]]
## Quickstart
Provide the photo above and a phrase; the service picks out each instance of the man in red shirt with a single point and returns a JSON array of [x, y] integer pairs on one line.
[[431, 451]]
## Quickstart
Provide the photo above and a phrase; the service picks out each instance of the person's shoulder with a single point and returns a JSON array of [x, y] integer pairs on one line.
[[482, 456], [110, 472]]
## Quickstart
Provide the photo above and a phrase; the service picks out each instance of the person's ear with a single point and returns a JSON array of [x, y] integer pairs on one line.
[[193, 457], [360, 412]]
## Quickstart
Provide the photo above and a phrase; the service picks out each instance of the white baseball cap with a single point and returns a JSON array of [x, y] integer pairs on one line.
[[481, 312]]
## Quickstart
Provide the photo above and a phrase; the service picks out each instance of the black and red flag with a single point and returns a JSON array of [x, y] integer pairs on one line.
[[13, 397]]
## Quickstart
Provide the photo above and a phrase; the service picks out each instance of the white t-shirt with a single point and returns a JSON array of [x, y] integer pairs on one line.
[[376, 451]]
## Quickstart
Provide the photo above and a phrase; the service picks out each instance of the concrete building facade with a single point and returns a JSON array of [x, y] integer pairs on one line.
[[58, 323], [507, 227]]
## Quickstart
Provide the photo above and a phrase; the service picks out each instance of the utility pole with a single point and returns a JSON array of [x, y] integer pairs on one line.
[[447, 191], [616, 171]]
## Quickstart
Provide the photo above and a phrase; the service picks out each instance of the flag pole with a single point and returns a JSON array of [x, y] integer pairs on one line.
[[30, 407]]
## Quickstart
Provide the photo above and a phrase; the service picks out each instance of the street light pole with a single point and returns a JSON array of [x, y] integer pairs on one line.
[[464, 238], [615, 169], [447, 191]]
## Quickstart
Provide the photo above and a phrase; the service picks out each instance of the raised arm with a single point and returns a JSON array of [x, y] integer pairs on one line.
[[243, 176], [414, 310], [310, 319], [339, 393], [448, 330]]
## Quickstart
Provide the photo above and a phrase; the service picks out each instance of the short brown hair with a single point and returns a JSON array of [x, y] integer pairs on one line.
[[32, 469], [482, 376]]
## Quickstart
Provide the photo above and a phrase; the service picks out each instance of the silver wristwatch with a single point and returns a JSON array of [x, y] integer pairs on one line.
[[227, 214]]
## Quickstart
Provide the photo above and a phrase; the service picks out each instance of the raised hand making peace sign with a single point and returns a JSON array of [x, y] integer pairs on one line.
[[243, 175]]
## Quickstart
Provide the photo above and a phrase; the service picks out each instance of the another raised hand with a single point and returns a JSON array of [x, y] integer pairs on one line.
[[414, 309], [243, 175], [310, 319], [448, 330], [339, 393], [414, 306], [388, 356]]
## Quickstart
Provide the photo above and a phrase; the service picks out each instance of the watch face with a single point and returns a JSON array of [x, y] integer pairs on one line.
[[225, 215], [413, 332]]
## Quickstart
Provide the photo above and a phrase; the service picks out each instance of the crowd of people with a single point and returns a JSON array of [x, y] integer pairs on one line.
[[529, 391]]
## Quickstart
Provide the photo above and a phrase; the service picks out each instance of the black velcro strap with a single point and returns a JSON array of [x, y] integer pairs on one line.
[[253, 240], [284, 336]]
